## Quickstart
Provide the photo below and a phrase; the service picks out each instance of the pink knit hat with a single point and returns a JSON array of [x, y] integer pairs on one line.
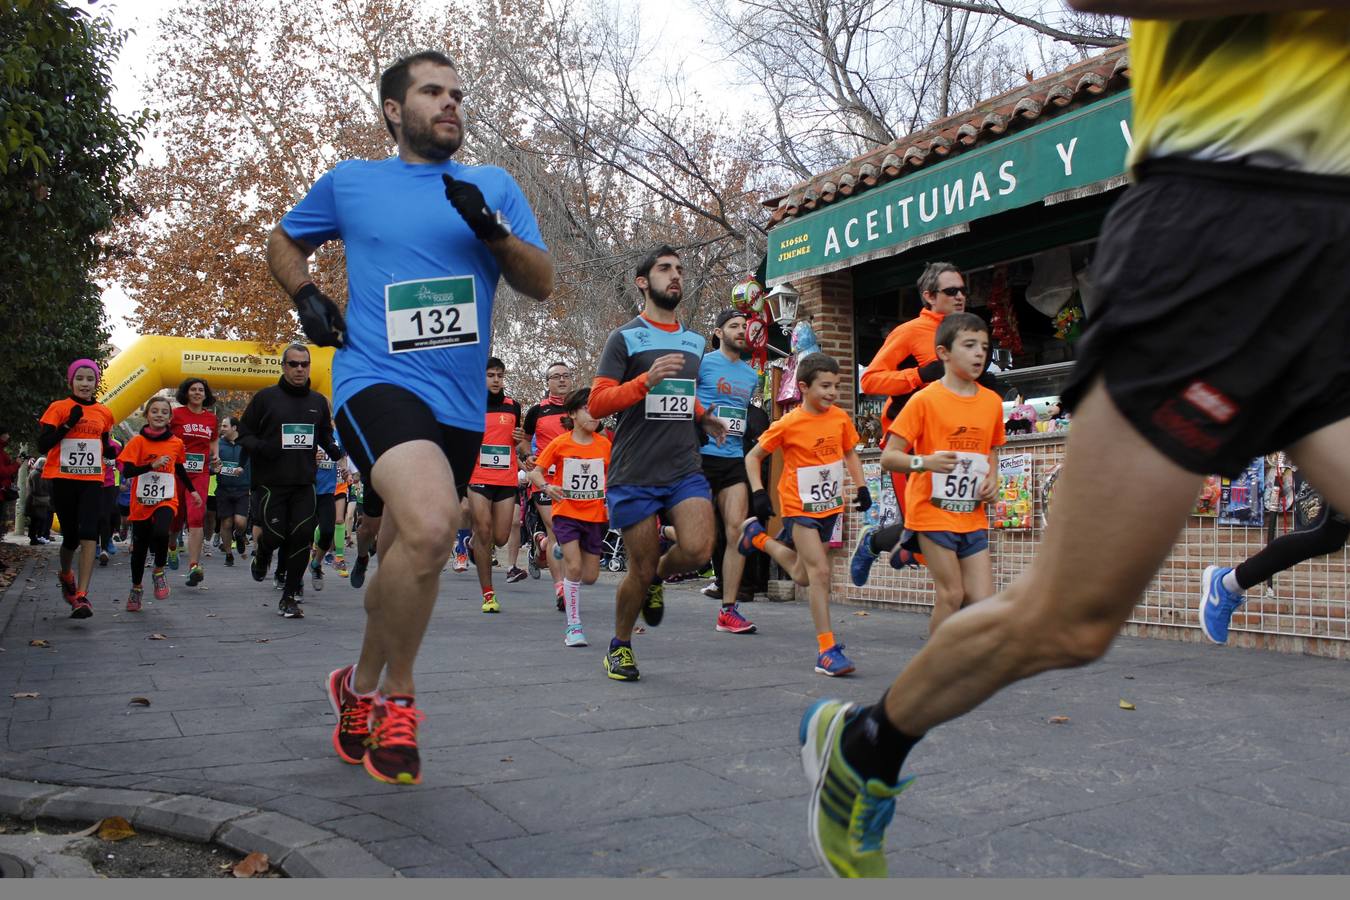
[[82, 364]]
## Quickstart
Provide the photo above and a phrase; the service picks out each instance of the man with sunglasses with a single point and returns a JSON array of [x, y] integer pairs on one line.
[[543, 422], [280, 429], [905, 363]]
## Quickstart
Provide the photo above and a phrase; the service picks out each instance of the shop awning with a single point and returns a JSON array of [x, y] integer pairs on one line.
[[1072, 155]]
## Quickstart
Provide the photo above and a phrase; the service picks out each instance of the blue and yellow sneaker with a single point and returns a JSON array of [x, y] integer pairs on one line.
[[848, 817], [1217, 604], [860, 566]]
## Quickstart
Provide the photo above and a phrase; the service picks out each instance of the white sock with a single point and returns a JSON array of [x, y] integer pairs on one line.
[[572, 599], [351, 686], [1230, 582]]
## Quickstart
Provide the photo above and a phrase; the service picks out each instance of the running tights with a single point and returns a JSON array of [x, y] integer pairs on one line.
[[1287, 551], [325, 511], [286, 514], [150, 536]]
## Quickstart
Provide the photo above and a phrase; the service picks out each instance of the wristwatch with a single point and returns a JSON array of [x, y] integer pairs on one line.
[[502, 222], [916, 463]]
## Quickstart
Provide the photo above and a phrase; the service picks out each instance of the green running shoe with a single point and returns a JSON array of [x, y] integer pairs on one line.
[[848, 817]]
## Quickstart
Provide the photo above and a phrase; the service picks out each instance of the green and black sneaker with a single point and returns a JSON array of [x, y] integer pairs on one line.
[[621, 665]]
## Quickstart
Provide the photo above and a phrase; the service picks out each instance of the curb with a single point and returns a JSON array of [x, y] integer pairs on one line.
[[6, 607], [296, 848]]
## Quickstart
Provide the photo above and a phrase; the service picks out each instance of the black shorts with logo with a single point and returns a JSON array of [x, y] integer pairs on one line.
[[724, 472], [1224, 310], [376, 419]]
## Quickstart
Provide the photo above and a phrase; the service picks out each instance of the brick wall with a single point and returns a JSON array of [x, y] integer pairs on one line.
[[828, 300], [1307, 611]]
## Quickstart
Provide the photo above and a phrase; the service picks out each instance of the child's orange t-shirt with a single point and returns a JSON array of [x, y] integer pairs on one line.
[[79, 455], [139, 452], [934, 420], [581, 470], [813, 445]]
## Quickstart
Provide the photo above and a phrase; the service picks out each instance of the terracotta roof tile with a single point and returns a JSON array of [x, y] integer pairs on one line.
[[990, 120]]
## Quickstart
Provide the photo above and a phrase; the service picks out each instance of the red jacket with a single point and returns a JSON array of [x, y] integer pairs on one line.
[[8, 467]]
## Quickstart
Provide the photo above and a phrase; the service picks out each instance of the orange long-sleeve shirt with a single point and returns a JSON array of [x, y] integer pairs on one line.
[[916, 340]]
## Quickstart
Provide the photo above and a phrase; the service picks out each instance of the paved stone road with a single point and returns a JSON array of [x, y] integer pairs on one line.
[[536, 764]]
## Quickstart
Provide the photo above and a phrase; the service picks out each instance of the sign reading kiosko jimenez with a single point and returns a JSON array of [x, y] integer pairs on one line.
[[1072, 151]]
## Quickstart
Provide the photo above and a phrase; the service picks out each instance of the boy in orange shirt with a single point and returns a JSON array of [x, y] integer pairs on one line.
[[818, 441], [155, 458], [581, 459], [945, 439]]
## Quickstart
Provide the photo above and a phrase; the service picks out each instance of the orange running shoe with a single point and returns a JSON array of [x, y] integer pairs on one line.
[[391, 754], [68, 588], [353, 717]]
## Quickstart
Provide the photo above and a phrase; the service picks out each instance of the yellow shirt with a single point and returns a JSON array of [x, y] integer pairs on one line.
[[1274, 86]]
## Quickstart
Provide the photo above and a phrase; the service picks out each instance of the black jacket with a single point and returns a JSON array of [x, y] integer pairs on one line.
[[260, 433]]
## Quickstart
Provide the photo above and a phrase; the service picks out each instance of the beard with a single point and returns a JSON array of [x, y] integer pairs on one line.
[[420, 136], [666, 301]]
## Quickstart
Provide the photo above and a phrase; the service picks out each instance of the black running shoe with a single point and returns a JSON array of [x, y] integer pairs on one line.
[[654, 607], [290, 609], [621, 665], [259, 566], [357, 575]]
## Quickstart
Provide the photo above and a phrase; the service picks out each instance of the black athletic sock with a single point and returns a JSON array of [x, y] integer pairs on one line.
[[873, 746], [883, 540]]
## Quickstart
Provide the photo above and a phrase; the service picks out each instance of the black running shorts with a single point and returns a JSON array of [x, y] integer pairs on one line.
[[1225, 310], [383, 416], [496, 492], [724, 472]]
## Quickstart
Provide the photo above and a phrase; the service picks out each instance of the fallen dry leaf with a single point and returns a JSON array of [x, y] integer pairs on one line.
[[210, 615], [1129, 678], [115, 828], [225, 865], [861, 612], [139, 701], [263, 641], [253, 864], [86, 832], [1058, 720], [158, 637], [1125, 704], [507, 759], [26, 695], [38, 642]]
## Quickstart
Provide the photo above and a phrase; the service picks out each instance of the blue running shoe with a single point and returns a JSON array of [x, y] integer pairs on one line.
[[860, 566], [833, 662], [1217, 604], [848, 816], [749, 529], [557, 551]]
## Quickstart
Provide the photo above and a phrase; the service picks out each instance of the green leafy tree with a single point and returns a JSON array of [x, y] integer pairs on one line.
[[67, 153]]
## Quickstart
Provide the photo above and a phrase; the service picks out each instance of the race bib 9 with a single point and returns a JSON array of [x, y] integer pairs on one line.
[[195, 462], [734, 417], [430, 313], [495, 456], [820, 488], [959, 489], [154, 487], [297, 437], [583, 479], [671, 400], [81, 456]]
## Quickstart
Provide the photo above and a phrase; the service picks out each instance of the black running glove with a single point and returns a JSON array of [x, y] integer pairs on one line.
[[761, 506], [932, 372], [469, 203], [320, 317], [76, 414], [863, 500]]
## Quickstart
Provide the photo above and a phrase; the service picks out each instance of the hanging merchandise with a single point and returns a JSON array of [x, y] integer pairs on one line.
[[1012, 509], [1052, 282], [804, 339], [1068, 323], [788, 391], [1207, 504], [1004, 323], [1242, 496], [748, 296]]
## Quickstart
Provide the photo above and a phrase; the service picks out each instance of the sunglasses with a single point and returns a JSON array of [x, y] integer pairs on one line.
[[297, 364], [952, 291]]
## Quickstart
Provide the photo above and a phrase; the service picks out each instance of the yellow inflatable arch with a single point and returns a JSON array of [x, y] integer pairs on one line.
[[155, 362]]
